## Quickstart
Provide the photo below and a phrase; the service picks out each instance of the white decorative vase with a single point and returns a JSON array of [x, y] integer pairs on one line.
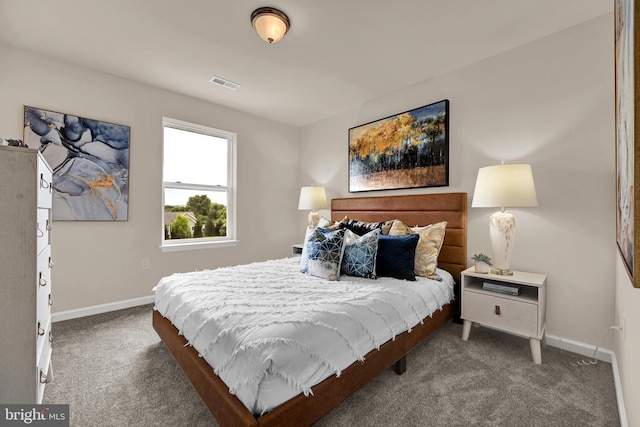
[[481, 267], [502, 228]]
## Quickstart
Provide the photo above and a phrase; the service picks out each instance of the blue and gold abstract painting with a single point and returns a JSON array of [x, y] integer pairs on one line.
[[90, 162]]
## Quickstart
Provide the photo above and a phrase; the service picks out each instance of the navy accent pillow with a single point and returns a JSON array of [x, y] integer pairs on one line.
[[396, 256]]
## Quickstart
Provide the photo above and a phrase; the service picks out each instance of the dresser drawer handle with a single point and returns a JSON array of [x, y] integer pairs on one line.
[[50, 263], [49, 226], [44, 183], [50, 302], [498, 310], [50, 337], [43, 378], [40, 232], [40, 330], [41, 280]]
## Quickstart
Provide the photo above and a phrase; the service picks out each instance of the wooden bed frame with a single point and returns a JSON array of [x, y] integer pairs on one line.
[[413, 210]]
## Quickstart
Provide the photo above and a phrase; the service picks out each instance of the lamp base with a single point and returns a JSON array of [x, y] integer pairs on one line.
[[502, 228], [314, 219], [501, 272]]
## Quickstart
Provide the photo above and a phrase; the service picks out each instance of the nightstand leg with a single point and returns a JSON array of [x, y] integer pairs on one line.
[[466, 328], [536, 354]]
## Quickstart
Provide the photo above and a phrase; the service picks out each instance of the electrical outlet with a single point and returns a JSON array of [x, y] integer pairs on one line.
[[145, 263]]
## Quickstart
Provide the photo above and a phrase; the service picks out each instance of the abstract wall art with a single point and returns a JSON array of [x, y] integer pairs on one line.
[[407, 150], [627, 113], [90, 161]]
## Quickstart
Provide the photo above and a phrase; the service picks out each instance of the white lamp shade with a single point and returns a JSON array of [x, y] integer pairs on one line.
[[505, 186], [312, 198]]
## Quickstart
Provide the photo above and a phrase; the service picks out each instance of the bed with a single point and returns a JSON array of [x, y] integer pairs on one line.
[[303, 410]]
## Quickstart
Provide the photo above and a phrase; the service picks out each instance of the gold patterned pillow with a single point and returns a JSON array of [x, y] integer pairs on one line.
[[399, 229], [429, 245]]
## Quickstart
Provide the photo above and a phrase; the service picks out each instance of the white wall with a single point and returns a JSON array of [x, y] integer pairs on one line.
[[627, 346], [549, 103], [100, 262]]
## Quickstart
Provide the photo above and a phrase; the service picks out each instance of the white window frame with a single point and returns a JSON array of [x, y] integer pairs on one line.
[[231, 189]]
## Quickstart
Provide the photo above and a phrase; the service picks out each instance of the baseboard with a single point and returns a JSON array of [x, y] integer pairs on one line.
[[602, 354], [579, 348], [102, 308], [619, 397]]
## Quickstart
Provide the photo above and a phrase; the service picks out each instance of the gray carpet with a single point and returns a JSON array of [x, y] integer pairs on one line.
[[113, 370]]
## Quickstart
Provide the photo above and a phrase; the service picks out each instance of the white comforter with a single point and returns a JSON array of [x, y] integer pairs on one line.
[[270, 332]]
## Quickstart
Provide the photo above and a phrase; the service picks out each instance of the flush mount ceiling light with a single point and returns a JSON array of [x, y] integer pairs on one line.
[[270, 24]]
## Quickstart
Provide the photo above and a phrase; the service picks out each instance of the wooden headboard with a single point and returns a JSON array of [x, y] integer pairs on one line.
[[419, 209]]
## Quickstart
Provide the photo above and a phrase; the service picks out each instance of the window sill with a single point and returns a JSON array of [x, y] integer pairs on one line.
[[176, 247]]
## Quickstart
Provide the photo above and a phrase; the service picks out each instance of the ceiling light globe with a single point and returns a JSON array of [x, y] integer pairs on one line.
[[270, 24]]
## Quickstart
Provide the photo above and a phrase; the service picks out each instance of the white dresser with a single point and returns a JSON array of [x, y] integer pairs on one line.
[[25, 281]]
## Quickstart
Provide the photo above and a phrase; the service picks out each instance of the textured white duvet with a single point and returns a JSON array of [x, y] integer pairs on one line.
[[271, 333]]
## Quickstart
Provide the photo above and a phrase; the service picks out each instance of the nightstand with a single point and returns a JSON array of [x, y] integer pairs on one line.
[[522, 314], [296, 249]]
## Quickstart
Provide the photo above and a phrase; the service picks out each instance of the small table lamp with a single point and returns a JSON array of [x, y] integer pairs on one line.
[[312, 198], [504, 186]]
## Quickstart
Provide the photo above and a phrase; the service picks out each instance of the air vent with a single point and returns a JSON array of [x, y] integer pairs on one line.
[[224, 82]]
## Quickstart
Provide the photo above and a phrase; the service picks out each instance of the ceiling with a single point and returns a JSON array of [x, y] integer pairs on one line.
[[337, 55]]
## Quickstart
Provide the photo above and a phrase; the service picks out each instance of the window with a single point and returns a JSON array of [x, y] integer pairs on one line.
[[198, 186]]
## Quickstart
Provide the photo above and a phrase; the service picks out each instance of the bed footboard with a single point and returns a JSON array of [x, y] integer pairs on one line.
[[225, 407], [300, 410]]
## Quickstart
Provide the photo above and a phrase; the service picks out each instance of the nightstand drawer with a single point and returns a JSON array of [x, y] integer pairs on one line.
[[516, 316]]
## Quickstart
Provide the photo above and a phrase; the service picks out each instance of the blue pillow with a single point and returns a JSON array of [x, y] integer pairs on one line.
[[360, 254], [396, 256], [303, 256], [324, 253]]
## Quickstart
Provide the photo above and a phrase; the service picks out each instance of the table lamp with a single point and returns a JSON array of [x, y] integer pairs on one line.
[[312, 198], [504, 186]]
